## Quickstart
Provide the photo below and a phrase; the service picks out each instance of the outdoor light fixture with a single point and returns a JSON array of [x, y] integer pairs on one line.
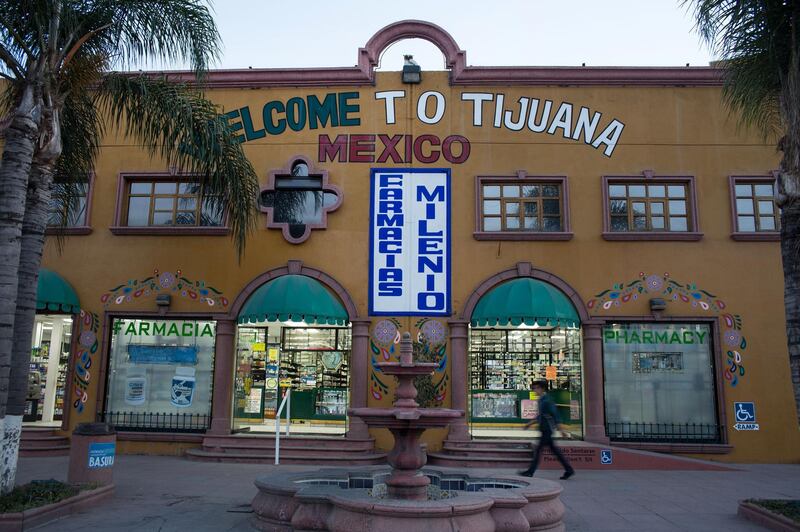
[[163, 300], [412, 73], [657, 303]]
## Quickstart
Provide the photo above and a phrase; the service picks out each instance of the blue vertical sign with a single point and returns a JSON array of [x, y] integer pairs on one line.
[[409, 238]]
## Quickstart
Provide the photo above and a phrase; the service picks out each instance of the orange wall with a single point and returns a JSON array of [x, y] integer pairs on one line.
[[669, 130]]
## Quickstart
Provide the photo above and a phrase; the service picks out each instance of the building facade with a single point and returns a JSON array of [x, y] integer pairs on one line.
[[609, 230]]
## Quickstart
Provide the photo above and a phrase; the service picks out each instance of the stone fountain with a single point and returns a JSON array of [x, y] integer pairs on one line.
[[378, 498], [407, 421]]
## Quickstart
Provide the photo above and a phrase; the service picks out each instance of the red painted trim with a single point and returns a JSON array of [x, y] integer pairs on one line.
[[169, 231], [522, 178], [286, 171], [294, 267], [524, 269], [647, 177], [550, 235], [456, 62], [683, 448], [659, 236], [742, 236]]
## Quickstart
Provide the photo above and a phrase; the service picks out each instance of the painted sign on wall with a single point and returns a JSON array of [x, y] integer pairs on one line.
[[566, 120], [409, 242]]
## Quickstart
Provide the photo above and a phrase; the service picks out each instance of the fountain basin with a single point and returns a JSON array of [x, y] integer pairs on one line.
[[339, 500]]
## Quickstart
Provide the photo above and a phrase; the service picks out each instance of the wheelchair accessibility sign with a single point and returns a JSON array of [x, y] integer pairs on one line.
[[745, 415], [605, 457]]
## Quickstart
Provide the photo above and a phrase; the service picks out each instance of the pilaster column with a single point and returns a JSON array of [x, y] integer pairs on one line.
[[359, 369], [222, 401], [459, 336], [593, 393]]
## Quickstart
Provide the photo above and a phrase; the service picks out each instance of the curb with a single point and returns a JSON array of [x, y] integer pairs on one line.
[[13, 522], [762, 516]]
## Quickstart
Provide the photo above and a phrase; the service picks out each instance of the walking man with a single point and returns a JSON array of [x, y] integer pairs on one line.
[[548, 422]]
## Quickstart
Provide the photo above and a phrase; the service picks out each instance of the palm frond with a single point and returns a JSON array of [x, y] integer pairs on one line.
[[755, 41], [185, 129], [166, 30]]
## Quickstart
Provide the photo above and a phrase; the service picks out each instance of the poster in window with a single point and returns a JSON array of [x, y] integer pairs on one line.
[[253, 404]]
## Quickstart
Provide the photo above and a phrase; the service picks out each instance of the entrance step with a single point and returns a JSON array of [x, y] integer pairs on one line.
[[319, 450], [42, 441], [516, 454]]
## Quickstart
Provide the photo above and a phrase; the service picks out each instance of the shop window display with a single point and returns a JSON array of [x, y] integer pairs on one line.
[[47, 379], [311, 361], [160, 374], [659, 382], [505, 362]]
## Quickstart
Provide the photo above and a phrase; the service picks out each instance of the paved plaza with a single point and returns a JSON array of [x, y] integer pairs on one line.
[[157, 493]]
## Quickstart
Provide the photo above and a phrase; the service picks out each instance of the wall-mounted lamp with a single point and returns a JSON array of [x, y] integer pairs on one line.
[[163, 300], [657, 304], [412, 73]]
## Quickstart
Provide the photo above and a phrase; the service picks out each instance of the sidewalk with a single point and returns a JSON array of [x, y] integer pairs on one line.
[[156, 493]]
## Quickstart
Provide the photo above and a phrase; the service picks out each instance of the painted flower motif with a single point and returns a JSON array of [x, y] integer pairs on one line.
[[166, 279], [87, 338], [732, 337], [384, 332], [434, 332], [607, 305], [654, 283]]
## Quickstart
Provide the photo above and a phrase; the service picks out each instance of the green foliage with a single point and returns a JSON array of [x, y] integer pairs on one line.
[[785, 507], [757, 42], [37, 493], [65, 49], [424, 384]]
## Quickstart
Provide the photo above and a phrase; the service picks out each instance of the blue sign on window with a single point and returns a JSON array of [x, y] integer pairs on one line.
[[606, 458], [101, 455], [162, 354]]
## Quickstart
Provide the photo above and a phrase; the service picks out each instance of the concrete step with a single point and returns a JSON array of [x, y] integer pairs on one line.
[[488, 452], [267, 441], [582, 455], [43, 442], [55, 450], [296, 450], [288, 457]]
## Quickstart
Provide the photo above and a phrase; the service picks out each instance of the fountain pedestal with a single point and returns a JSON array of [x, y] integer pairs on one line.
[[407, 421]]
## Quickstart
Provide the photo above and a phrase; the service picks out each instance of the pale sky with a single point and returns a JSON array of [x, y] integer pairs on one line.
[[317, 33]]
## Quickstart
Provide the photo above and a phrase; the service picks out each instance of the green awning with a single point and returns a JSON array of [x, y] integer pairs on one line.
[[527, 301], [296, 298], [55, 294]]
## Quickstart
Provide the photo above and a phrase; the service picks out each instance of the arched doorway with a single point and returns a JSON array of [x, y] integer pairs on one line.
[[47, 401], [523, 325], [522, 331], [293, 334]]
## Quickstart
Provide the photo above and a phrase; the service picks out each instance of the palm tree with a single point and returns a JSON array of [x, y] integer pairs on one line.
[[56, 57], [759, 44]]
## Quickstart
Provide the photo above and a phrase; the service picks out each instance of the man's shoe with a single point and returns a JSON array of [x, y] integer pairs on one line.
[[527, 473], [567, 474]]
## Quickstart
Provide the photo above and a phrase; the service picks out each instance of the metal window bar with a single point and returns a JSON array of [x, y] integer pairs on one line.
[[287, 402], [664, 432], [158, 421]]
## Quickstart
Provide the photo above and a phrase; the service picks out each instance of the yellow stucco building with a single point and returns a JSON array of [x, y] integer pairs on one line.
[[609, 230]]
